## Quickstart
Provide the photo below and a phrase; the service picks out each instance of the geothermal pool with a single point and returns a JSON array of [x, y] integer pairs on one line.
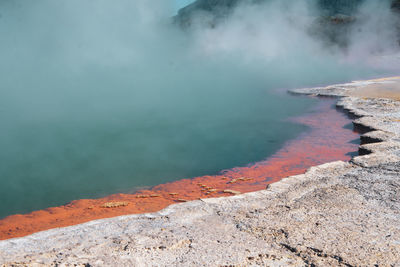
[[99, 98], [329, 137], [53, 160]]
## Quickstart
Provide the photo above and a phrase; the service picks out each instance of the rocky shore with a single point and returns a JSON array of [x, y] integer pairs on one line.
[[336, 214]]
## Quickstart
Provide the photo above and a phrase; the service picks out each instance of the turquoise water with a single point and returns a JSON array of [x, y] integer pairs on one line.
[[98, 98], [109, 142]]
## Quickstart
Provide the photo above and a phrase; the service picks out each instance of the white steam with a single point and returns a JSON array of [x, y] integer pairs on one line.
[[278, 32]]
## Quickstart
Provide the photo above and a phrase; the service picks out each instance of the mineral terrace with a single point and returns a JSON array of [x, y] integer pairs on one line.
[[336, 214]]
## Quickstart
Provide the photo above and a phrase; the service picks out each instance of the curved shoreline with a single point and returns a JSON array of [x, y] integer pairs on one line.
[[336, 214], [309, 149]]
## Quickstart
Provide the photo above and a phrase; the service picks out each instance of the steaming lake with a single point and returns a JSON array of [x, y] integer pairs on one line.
[[85, 152], [97, 99]]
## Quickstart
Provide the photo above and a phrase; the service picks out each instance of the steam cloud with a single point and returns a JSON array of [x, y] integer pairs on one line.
[[90, 88], [284, 30]]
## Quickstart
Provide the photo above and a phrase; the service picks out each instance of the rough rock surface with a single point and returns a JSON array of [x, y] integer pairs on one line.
[[336, 214]]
